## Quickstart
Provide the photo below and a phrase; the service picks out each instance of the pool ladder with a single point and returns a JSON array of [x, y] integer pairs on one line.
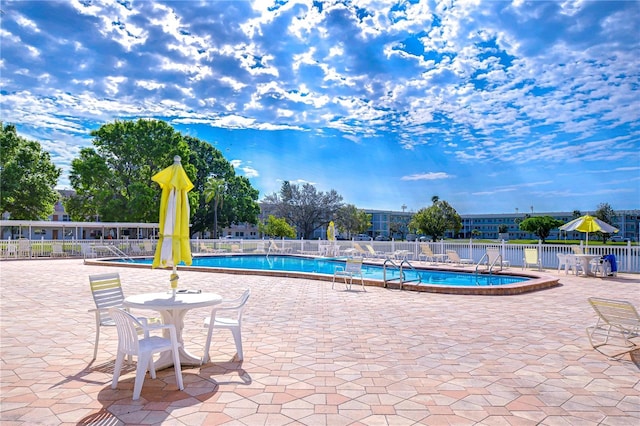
[[497, 260], [401, 274], [116, 251]]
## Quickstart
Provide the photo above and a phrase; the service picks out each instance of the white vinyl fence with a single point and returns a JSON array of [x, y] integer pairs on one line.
[[627, 256]]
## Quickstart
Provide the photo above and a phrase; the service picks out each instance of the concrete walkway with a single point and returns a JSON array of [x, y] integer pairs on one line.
[[317, 356]]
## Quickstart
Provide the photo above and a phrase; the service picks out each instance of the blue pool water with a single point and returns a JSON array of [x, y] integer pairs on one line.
[[328, 266]]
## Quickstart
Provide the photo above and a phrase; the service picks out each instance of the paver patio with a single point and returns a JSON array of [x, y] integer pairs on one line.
[[317, 356]]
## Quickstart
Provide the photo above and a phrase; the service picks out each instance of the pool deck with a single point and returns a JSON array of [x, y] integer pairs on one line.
[[319, 356]]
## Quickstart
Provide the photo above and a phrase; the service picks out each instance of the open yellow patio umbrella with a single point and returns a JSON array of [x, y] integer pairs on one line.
[[174, 245], [588, 224]]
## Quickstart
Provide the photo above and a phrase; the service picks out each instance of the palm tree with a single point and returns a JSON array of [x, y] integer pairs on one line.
[[214, 190]]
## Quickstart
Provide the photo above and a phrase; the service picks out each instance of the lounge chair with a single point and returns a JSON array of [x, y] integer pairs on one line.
[[352, 267], [494, 258], [426, 253], [531, 258], [274, 248], [454, 257], [617, 327], [374, 253], [205, 249], [57, 250], [362, 252]]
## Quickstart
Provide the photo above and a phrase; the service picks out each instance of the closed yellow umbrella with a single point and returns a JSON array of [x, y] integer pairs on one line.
[[174, 245], [331, 231]]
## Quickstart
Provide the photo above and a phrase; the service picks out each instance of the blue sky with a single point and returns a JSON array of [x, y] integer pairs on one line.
[[490, 105]]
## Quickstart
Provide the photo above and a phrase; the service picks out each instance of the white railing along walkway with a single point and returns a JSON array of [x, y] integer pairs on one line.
[[627, 256]]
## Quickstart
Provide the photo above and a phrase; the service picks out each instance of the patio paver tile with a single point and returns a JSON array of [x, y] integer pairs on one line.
[[317, 356]]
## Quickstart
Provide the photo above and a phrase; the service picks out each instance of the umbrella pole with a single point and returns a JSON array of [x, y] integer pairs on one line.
[[174, 280], [586, 249]]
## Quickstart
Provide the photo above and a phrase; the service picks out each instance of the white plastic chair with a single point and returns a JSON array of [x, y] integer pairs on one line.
[[562, 262], [600, 266], [352, 267], [573, 264], [106, 290], [130, 344], [232, 322]]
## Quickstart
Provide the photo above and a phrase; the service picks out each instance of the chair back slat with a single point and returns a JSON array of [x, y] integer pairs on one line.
[[353, 266], [127, 327], [617, 313], [106, 290]]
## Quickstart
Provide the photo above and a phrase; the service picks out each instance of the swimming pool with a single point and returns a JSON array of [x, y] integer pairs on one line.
[[327, 266]]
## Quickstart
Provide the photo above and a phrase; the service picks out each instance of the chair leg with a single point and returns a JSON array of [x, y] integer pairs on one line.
[[117, 369], [177, 368], [207, 345], [237, 337], [141, 371], [95, 346], [151, 367]]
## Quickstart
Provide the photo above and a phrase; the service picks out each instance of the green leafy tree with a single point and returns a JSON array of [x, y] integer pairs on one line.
[[540, 225], [277, 227], [304, 207], [112, 180], [576, 214], [352, 220], [27, 177], [605, 213], [240, 202], [503, 228], [207, 161], [436, 219], [214, 191]]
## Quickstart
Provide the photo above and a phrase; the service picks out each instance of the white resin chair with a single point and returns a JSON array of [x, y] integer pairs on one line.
[[130, 344], [562, 262], [232, 322], [572, 264], [107, 293], [106, 290], [352, 268]]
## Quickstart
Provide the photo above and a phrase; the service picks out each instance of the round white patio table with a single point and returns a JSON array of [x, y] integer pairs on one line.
[[172, 309], [584, 260]]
